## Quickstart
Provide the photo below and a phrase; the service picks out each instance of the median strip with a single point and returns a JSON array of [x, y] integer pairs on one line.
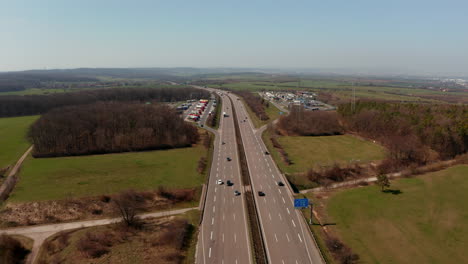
[[254, 221]]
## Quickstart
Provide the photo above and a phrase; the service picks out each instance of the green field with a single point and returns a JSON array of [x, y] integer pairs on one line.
[[426, 223], [312, 152], [65, 177], [13, 142]]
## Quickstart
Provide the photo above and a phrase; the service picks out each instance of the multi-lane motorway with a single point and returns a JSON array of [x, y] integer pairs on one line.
[[286, 236], [224, 230], [223, 236]]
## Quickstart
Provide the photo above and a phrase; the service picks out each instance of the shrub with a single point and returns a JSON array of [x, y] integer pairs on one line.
[[94, 245], [11, 250]]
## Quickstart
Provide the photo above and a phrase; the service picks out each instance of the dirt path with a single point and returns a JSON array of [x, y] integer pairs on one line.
[[10, 180], [42, 232]]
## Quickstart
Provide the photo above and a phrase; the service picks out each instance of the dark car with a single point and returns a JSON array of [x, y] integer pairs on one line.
[[280, 183], [260, 193], [236, 193], [267, 153], [229, 183], [228, 159]]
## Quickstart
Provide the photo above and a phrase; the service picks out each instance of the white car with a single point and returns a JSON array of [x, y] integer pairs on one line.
[[219, 182]]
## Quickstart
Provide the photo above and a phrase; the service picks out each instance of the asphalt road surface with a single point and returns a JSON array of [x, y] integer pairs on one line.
[[287, 238], [223, 236]]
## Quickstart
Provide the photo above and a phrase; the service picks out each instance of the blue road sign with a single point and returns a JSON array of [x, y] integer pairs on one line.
[[280, 113], [301, 203]]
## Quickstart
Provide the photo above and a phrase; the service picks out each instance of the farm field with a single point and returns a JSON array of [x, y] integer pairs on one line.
[[13, 142], [425, 223], [312, 152], [67, 177], [345, 90], [157, 242]]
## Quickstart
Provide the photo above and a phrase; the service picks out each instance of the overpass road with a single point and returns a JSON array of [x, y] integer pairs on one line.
[[287, 238], [223, 236]]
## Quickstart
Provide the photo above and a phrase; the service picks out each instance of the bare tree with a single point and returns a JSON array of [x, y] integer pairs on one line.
[[128, 205], [383, 181]]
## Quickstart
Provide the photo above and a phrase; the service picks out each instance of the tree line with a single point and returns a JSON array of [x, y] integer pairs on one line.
[[414, 134], [309, 123], [16, 105], [107, 127], [255, 103]]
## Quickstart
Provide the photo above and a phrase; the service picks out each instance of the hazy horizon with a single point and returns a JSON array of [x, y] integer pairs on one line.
[[398, 37]]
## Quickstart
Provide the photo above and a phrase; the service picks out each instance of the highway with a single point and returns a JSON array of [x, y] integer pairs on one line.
[[287, 238], [223, 236]]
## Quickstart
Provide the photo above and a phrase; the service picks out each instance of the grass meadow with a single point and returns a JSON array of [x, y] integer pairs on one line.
[[425, 223], [70, 177], [13, 142]]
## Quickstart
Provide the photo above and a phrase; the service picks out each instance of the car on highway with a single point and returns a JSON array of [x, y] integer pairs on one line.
[[267, 153], [228, 159], [280, 183], [260, 193], [236, 193], [219, 182], [229, 183]]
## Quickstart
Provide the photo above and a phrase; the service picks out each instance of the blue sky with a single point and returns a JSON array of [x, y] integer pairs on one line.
[[412, 35]]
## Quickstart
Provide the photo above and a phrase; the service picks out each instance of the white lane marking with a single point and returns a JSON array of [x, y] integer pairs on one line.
[[214, 208], [294, 224], [235, 238], [282, 261], [211, 236], [224, 199], [274, 200], [261, 187], [269, 215], [223, 237], [273, 176], [212, 220], [268, 164], [281, 218], [269, 186], [234, 215], [236, 261], [287, 237], [296, 262], [215, 189], [209, 253], [215, 198], [288, 210], [276, 238], [283, 200], [279, 190], [299, 236], [264, 200]]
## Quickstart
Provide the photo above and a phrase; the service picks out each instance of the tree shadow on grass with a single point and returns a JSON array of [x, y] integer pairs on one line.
[[394, 192]]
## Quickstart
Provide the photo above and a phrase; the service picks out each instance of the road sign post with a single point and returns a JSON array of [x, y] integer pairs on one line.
[[311, 212]]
